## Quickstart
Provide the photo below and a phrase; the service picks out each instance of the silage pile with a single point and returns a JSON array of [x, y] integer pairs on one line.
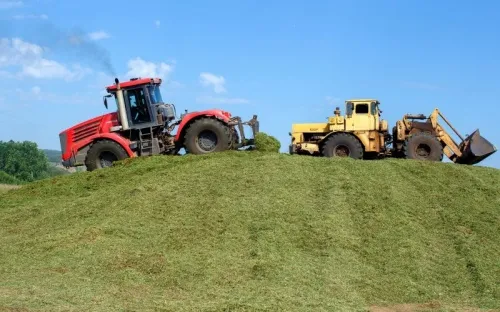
[[266, 143]]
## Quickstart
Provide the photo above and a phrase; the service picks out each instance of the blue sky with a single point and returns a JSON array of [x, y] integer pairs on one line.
[[286, 61]]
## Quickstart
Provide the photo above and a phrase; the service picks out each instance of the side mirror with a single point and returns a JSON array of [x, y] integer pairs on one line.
[[105, 100], [184, 114]]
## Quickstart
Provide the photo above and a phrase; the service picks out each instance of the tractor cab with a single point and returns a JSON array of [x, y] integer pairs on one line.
[[363, 115], [139, 103]]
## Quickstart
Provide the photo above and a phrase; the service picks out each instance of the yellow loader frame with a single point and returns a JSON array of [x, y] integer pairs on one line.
[[361, 133]]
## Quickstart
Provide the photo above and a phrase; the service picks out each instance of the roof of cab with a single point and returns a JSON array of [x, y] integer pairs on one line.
[[363, 100], [134, 82]]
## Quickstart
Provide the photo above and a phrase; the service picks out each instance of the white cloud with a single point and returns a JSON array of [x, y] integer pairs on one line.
[[6, 4], [42, 68], [16, 51], [98, 35], [30, 16], [221, 100], [157, 23], [217, 82], [141, 68], [29, 57]]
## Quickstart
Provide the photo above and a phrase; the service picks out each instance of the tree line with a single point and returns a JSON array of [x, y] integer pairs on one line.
[[24, 162]]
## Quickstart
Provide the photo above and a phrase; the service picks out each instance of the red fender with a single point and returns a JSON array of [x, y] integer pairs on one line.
[[124, 143], [217, 113], [90, 130]]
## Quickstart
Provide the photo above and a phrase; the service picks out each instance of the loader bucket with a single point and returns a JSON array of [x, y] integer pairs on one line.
[[474, 149]]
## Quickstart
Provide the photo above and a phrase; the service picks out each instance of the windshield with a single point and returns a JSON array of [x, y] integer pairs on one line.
[[348, 109], [154, 94]]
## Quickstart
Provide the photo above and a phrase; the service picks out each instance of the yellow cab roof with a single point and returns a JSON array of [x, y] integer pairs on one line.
[[363, 100]]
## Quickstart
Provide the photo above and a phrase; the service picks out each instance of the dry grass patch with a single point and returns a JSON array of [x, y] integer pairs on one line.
[[7, 187]]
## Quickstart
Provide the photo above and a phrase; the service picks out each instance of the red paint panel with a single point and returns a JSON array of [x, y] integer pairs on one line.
[[86, 132]]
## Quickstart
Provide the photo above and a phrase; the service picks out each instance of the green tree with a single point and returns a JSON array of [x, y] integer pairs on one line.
[[23, 160], [8, 179]]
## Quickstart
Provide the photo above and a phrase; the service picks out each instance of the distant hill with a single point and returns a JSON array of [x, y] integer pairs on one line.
[[244, 231], [54, 156]]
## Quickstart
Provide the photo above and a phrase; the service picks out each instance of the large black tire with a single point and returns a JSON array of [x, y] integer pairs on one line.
[[422, 146], [103, 153], [342, 145], [207, 135]]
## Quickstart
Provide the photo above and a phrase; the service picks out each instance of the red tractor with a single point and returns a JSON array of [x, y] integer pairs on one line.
[[143, 125]]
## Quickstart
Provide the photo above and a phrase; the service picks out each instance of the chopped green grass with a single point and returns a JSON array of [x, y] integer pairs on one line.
[[266, 143], [252, 231]]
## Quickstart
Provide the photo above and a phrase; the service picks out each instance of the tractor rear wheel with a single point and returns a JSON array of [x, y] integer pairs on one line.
[[207, 135], [102, 154], [422, 146], [342, 145]]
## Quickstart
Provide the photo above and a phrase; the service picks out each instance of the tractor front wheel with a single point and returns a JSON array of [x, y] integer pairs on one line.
[[342, 145], [102, 154], [422, 146], [207, 135]]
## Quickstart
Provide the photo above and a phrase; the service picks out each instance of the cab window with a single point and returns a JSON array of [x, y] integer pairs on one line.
[[362, 109], [138, 106]]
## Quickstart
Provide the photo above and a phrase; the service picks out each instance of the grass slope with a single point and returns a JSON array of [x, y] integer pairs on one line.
[[253, 232]]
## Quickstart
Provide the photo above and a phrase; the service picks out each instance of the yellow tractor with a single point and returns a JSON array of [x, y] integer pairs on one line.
[[362, 134]]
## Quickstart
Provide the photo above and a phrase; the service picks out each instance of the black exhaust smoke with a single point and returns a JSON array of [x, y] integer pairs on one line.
[[72, 42]]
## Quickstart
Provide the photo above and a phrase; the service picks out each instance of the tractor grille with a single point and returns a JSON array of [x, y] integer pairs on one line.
[[85, 131]]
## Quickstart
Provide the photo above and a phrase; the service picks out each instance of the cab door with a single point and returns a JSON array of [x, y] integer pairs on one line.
[[138, 108], [375, 116], [360, 118]]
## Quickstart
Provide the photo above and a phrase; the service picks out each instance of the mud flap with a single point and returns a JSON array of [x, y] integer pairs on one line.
[[474, 149]]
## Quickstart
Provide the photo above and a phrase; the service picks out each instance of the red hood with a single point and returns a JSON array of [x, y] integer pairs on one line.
[[109, 117]]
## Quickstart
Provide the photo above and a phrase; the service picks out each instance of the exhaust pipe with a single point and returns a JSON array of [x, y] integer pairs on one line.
[[121, 106], [474, 149]]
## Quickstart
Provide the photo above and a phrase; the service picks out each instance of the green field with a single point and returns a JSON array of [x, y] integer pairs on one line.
[[245, 231]]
